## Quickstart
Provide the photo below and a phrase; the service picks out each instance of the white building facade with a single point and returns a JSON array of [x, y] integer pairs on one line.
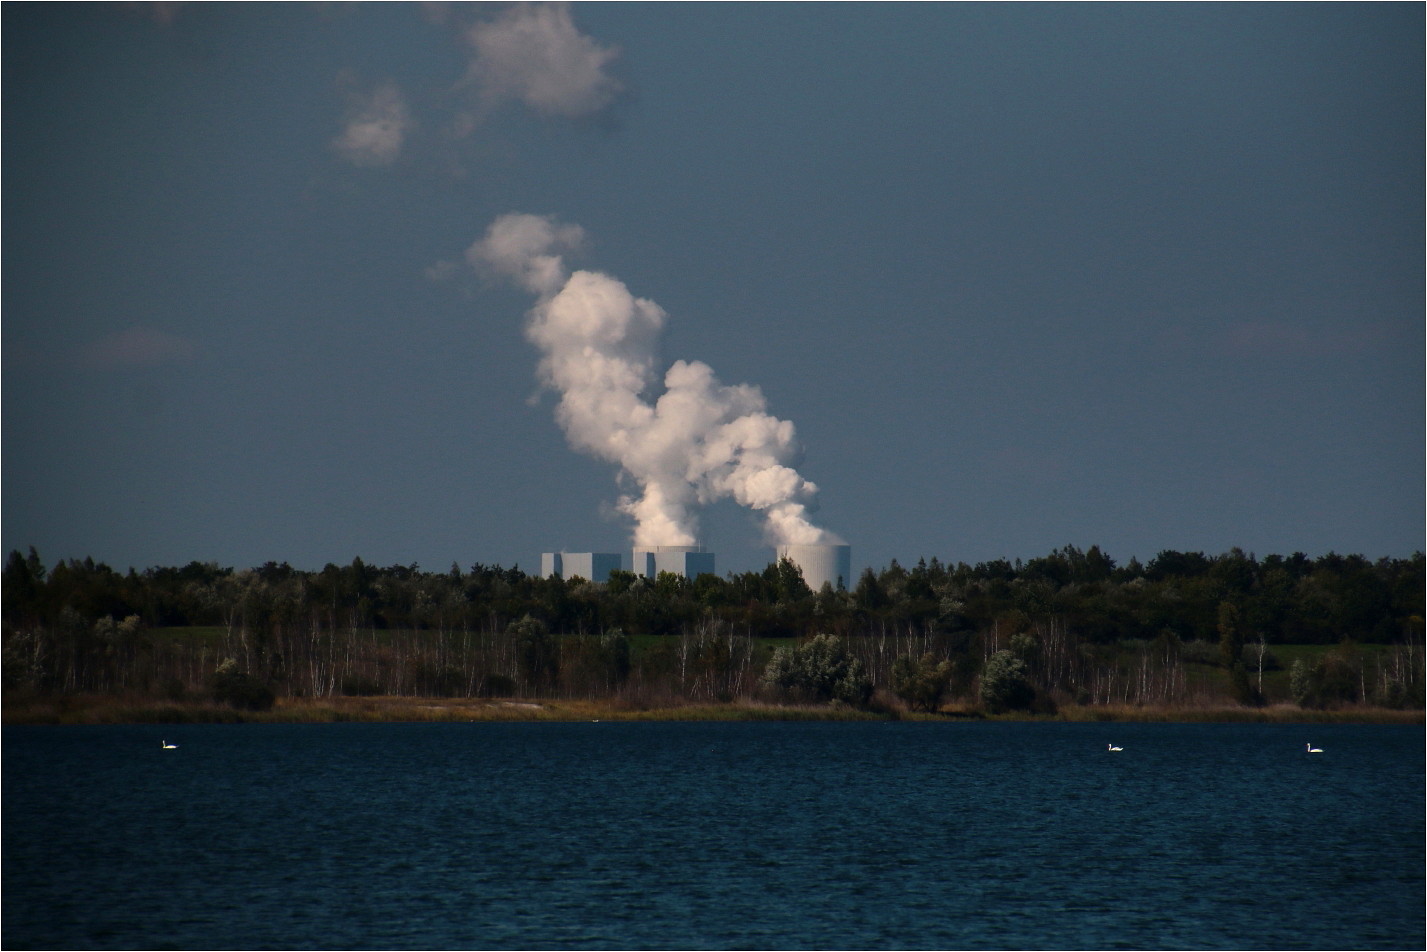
[[690, 561], [591, 566]]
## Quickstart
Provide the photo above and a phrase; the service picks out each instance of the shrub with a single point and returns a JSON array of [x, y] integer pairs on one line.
[[1004, 685], [1300, 682], [614, 645], [1025, 646], [1199, 652], [1333, 680], [356, 685], [1270, 660], [433, 680], [921, 683], [1244, 691], [240, 689], [592, 664], [1398, 695], [820, 670], [497, 685]]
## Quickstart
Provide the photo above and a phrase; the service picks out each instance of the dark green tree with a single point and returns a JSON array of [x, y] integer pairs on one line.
[[1231, 635], [620, 581], [788, 581], [21, 586], [869, 596]]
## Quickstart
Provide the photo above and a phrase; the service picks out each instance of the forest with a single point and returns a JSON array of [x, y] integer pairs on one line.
[[1070, 628]]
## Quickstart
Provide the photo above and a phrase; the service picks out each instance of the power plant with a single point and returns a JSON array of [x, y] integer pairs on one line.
[[695, 443], [821, 564], [698, 442], [591, 566], [690, 561]]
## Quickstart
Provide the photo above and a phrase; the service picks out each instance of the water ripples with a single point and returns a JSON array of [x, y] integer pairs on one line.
[[713, 836]]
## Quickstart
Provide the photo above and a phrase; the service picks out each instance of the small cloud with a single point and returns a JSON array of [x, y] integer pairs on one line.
[[442, 271], [376, 128], [138, 347], [533, 54]]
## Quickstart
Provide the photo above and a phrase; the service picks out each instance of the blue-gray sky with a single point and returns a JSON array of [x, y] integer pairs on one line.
[[1022, 276]]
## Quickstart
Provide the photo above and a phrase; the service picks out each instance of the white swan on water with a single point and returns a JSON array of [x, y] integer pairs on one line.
[[1113, 747], [1313, 750], [167, 746]]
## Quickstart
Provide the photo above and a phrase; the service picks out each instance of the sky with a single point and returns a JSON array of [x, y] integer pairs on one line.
[[306, 283]]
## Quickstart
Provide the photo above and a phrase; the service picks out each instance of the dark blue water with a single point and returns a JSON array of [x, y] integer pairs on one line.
[[672, 835]]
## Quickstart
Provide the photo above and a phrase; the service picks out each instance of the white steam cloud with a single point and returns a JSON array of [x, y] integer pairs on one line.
[[532, 53], [376, 128], [528, 54], [697, 442]]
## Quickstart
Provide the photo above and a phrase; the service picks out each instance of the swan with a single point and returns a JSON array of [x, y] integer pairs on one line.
[[1113, 747], [167, 746], [1313, 750]]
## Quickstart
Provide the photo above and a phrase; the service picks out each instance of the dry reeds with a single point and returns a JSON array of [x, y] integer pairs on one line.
[[103, 709]]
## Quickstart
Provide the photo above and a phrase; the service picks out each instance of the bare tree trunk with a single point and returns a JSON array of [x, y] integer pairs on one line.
[[1263, 648]]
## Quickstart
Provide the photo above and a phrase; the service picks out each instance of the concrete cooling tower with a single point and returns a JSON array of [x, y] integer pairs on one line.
[[690, 561], [821, 563]]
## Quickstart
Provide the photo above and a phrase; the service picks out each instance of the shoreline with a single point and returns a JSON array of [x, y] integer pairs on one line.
[[101, 709]]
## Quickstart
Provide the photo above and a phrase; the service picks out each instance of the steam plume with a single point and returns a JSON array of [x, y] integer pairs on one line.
[[697, 442]]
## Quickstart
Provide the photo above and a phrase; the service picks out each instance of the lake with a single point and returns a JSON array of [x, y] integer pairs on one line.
[[714, 835]]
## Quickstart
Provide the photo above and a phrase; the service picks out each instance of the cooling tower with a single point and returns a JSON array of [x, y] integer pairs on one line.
[[690, 561], [821, 563]]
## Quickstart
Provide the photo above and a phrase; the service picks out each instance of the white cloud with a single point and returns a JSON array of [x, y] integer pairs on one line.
[[138, 347], [534, 55], [524, 247], [531, 55], [376, 128]]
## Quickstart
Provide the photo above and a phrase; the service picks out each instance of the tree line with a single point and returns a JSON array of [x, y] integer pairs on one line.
[[1072, 626]]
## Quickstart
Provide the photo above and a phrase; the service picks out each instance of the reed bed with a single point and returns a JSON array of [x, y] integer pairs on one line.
[[104, 709]]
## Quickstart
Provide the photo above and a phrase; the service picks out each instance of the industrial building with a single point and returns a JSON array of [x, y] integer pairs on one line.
[[690, 561], [592, 566], [821, 564]]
